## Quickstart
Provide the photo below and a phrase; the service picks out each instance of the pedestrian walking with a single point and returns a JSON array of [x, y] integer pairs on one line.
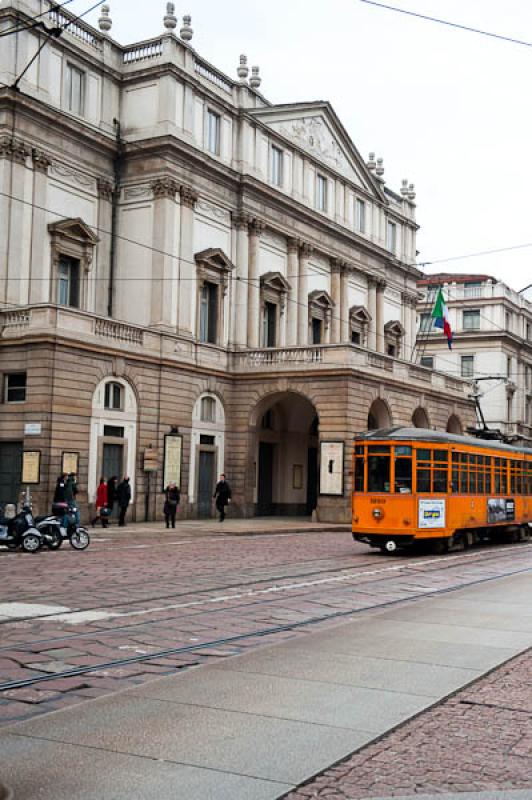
[[222, 493], [60, 489], [123, 496], [71, 490], [102, 511], [112, 485], [171, 503]]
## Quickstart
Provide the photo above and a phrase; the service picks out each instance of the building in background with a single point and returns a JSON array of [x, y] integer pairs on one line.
[[194, 280], [492, 326]]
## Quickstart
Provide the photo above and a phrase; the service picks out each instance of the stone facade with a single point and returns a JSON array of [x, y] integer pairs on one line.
[[492, 345], [179, 257]]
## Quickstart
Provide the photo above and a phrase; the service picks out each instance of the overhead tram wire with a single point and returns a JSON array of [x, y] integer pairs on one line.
[[448, 23], [31, 22], [152, 249]]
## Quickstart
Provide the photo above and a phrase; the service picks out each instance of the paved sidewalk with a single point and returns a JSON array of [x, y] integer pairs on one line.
[[256, 726]]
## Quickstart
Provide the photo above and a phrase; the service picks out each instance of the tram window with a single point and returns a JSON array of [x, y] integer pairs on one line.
[[379, 448], [403, 474], [440, 481], [440, 455], [378, 473], [403, 450], [423, 480], [423, 455], [359, 450], [359, 474]]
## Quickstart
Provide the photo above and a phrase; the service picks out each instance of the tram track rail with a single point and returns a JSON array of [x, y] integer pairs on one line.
[[442, 562], [259, 633]]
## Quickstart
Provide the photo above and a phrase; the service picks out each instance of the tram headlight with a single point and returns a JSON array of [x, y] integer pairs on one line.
[[378, 513]]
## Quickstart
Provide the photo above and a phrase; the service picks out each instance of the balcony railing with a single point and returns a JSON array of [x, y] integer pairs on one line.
[[143, 51], [211, 74]]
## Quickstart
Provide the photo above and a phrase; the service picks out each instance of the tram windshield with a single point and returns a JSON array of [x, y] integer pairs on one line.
[[378, 468]]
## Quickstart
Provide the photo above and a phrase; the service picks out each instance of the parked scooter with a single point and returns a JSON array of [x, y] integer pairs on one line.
[[50, 529], [20, 531], [67, 517]]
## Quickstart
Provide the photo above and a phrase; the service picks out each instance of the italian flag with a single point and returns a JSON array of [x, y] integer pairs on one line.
[[440, 315]]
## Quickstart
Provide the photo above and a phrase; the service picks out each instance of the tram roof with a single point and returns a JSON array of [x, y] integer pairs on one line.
[[426, 435]]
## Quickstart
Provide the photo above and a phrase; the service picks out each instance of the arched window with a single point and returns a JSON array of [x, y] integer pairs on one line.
[[420, 418], [114, 396], [208, 409], [454, 425], [379, 415]]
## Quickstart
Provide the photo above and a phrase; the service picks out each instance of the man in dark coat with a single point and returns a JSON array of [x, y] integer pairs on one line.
[[123, 495], [222, 493], [60, 489], [111, 493]]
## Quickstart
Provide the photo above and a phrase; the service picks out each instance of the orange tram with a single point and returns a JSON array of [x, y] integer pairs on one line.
[[412, 485]]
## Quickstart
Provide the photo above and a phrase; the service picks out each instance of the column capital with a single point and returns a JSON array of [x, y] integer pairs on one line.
[[338, 265], [256, 227], [164, 187], [41, 161], [241, 219], [293, 244], [15, 149], [305, 249], [409, 299], [377, 283], [189, 196], [105, 188]]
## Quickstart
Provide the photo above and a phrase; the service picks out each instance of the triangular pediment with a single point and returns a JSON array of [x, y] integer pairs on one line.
[[320, 297], [276, 281], [360, 314], [315, 128], [394, 328], [214, 257], [74, 228]]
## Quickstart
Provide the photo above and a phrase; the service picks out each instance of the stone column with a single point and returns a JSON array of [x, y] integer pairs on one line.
[[336, 294], [40, 252], [372, 309], [305, 251], [379, 317], [345, 332], [256, 229], [164, 267], [292, 299], [187, 298], [18, 256], [240, 333], [100, 294]]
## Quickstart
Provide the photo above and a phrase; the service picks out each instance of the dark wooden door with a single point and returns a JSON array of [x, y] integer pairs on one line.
[[10, 471], [312, 479], [205, 483], [265, 494]]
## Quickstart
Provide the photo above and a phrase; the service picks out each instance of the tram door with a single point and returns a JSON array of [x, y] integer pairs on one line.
[[206, 479]]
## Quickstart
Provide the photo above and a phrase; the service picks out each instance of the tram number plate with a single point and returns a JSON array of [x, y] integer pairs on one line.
[[431, 513]]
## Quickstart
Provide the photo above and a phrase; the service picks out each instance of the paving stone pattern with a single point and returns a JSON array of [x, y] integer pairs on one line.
[[169, 591], [478, 740]]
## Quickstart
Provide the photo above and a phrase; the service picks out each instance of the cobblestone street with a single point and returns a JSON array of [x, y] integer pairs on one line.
[[142, 604]]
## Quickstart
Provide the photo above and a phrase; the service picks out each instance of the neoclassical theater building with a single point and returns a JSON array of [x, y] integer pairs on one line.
[[193, 279]]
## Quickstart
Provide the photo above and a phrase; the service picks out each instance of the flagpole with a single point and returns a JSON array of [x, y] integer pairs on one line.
[[425, 335]]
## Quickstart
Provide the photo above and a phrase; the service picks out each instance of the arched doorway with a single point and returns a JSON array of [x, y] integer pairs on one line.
[[284, 445], [454, 425], [420, 418], [379, 415]]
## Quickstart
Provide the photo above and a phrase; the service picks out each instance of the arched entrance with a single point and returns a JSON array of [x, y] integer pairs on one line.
[[379, 415], [284, 444], [420, 418]]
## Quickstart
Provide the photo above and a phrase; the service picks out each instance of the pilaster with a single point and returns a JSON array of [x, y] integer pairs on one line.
[[100, 293], [256, 229], [292, 300], [164, 263], [40, 260], [336, 294], [379, 315], [305, 252], [187, 300], [241, 222]]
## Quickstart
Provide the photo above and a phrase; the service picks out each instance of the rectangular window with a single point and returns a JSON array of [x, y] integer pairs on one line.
[[360, 215], [432, 292], [403, 470], [427, 361], [355, 337], [509, 366], [15, 387], [270, 325], [213, 132], [431, 472], [426, 323], [379, 471], [391, 236], [321, 193], [209, 313], [391, 350], [113, 431], [316, 330], [471, 320], [276, 166], [68, 282], [467, 366], [75, 89]]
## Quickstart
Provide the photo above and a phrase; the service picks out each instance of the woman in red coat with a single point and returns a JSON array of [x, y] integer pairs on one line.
[[101, 503]]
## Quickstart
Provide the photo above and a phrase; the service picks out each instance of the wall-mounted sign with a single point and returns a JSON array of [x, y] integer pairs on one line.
[[173, 447], [31, 467], [151, 459], [332, 468], [431, 513], [70, 463], [32, 429]]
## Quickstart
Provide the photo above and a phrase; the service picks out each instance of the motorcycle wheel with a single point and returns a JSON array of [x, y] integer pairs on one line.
[[53, 539], [80, 539], [31, 543]]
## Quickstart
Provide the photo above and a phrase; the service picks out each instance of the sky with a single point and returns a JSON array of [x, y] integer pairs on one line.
[[448, 109]]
